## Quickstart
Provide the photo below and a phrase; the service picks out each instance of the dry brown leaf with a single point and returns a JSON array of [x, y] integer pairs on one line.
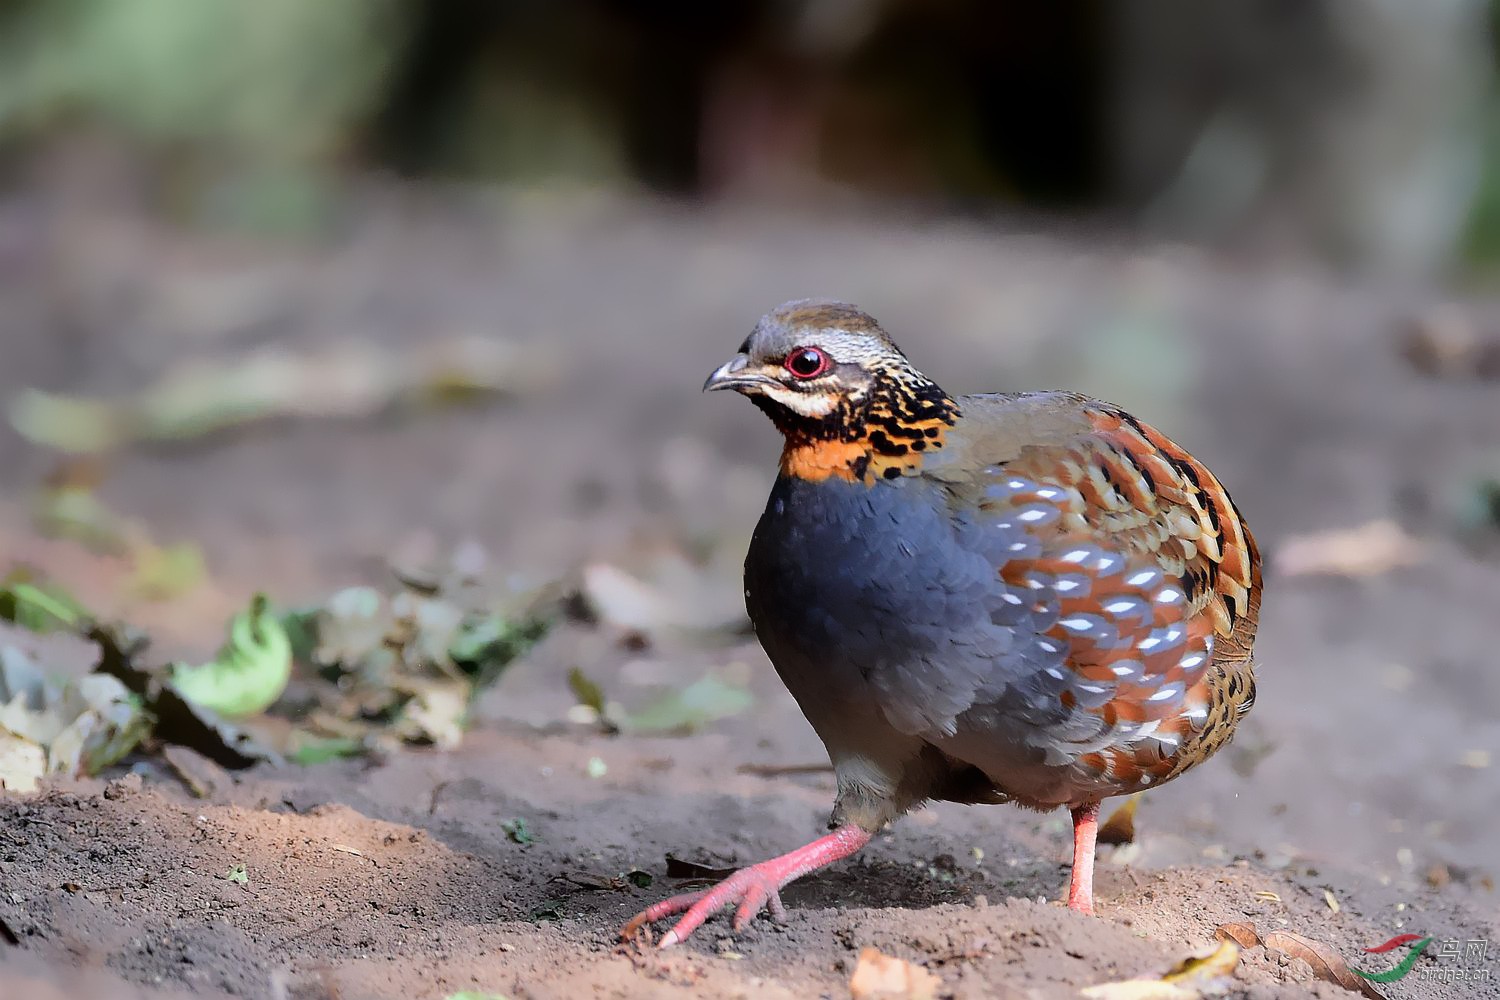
[[1120, 827], [1190, 980], [22, 764], [1202, 971], [1368, 550], [678, 868], [1244, 935], [1326, 963], [1267, 895], [878, 976]]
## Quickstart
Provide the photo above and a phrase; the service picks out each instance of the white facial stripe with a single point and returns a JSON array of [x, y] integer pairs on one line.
[[808, 404]]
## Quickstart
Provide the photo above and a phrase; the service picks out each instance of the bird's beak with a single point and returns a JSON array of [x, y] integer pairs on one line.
[[736, 374]]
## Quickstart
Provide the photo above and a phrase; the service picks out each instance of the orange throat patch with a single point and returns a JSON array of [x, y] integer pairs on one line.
[[906, 418], [863, 460]]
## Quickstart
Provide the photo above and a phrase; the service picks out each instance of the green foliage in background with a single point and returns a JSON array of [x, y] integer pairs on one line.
[[254, 111], [256, 102], [281, 78], [1481, 238], [261, 97]]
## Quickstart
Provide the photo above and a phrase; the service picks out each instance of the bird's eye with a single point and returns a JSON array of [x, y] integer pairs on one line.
[[807, 362]]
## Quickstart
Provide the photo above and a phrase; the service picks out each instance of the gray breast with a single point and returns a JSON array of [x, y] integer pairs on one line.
[[881, 595]]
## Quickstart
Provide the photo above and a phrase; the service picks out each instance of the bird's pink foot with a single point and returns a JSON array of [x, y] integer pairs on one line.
[[750, 888], [1081, 885]]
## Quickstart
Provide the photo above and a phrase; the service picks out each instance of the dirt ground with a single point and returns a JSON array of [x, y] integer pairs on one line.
[[1359, 800]]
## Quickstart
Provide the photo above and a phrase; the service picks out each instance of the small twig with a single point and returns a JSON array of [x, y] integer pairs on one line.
[[345, 849], [432, 800], [594, 883]]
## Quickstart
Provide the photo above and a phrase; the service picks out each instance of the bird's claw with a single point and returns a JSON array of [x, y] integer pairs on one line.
[[752, 888]]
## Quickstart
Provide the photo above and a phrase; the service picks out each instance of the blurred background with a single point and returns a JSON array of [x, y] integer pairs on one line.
[[292, 292], [1359, 130]]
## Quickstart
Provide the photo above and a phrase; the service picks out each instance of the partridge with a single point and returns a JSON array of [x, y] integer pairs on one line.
[[1027, 597]]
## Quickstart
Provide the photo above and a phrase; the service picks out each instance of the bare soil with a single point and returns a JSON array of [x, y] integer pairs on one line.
[[1359, 801]]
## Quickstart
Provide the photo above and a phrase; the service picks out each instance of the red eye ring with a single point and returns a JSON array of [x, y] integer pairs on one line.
[[807, 362]]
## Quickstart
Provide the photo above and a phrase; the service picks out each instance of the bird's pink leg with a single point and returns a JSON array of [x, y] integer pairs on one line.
[[753, 887], [1081, 886]]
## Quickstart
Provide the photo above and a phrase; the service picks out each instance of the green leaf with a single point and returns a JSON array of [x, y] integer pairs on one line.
[[701, 702], [484, 646], [517, 830], [39, 608], [68, 423], [178, 720], [249, 673], [585, 690], [639, 879], [238, 874]]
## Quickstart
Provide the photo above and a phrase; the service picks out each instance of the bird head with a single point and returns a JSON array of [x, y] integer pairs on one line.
[[841, 392]]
